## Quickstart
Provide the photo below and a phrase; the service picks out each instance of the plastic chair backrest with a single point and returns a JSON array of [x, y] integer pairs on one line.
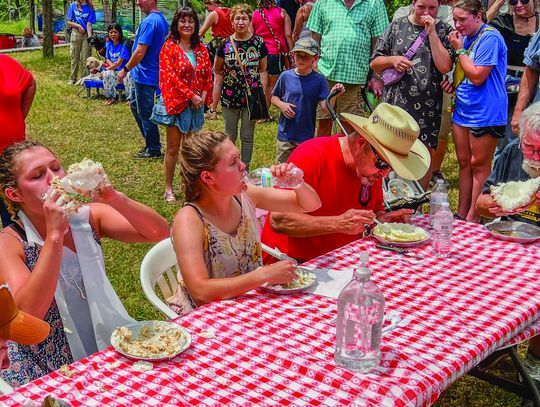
[[4, 387], [159, 267]]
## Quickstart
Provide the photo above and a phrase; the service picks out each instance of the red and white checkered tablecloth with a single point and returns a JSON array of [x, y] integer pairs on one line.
[[266, 352]]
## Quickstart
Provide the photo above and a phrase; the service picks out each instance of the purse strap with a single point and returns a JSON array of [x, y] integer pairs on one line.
[[278, 44], [416, 44], [237, 55]]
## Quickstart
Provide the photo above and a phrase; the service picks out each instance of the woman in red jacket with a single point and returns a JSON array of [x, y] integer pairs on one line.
[[185, 80]]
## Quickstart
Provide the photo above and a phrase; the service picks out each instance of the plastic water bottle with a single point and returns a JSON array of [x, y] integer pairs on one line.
[[439, 195], [442, 231], [359, 322], [263, 177]]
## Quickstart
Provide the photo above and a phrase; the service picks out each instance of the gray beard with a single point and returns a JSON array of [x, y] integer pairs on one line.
[[532, 168]]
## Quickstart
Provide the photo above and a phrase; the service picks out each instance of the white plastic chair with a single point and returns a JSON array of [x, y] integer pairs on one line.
[[160, 261], [4, 387]]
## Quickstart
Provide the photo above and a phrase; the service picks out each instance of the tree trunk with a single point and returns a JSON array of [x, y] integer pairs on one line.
[[17, 12], [48, 49], [107, 13], [32, 15], [114, 11]]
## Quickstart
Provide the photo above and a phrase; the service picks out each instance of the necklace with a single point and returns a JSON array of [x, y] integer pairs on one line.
[[526, 18]]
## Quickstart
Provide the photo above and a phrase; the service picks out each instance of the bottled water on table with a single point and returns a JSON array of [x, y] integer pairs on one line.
[[359, 322], [439, 195], [442, 231], [263, 177]]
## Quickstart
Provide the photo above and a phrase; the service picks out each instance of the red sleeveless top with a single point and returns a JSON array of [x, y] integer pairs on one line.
[[223, 28]]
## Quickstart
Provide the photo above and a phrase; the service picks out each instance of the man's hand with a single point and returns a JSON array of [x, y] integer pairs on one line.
[[494, 208], [401, 216], [515, 122], [354, 221], [287, 109], [121, 75], [80, 28]]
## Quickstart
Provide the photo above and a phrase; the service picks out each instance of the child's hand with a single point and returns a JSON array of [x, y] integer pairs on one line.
[[338, 88], [287, 109]]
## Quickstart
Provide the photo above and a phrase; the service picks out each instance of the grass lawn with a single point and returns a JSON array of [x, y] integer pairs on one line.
[[76, 128]]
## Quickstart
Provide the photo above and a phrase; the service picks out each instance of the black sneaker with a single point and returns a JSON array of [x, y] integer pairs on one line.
[[146, 154]]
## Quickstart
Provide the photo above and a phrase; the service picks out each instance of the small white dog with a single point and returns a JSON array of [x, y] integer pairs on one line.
[[95, 67]]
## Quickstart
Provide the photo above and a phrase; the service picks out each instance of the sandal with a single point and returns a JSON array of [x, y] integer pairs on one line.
[[169, 197], [261, 121]]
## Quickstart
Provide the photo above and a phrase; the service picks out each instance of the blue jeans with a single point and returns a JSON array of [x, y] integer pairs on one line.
[[142, 103]]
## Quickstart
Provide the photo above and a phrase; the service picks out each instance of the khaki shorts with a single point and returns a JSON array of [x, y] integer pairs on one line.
[[284, 149], [349, 102]]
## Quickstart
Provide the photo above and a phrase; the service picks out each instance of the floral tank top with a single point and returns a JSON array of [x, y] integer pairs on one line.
[[225, 255]]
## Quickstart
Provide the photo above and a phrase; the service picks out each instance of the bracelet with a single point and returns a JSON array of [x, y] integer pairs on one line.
[[461, 51], [125, 69]]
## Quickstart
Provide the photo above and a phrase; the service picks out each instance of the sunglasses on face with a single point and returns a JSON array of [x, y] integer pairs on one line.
[[514, 2], [380, 164]]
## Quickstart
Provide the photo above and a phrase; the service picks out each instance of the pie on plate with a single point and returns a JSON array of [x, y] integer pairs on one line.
[[304, 280], [150, 340], [400, 233]]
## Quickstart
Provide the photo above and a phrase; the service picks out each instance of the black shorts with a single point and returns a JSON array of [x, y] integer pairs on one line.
[[275, 65], [495, 131]]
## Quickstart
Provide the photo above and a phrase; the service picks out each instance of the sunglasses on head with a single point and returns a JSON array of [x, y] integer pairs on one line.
[[380, 164], [514, 2]]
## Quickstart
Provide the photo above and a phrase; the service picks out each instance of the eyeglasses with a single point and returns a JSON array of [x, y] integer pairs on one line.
[[380, 164], [529, 149], [514, 2]]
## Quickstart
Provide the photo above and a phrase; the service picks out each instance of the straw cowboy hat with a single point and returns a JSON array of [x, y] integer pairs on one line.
[[394, 134], [19, 326]]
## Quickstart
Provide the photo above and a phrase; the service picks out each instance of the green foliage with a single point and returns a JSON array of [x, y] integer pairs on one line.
[[393, 5], [14, 27]]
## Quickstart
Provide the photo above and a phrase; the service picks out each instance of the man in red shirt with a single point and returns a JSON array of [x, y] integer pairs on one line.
[[347, 174], [17, 90]]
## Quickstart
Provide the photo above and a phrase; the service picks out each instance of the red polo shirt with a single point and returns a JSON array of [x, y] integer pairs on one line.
[[324, 168]]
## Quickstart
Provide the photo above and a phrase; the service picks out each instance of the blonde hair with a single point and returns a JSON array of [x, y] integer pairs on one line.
[[198, 153], [27, 32], [9, 170], [241, 8]]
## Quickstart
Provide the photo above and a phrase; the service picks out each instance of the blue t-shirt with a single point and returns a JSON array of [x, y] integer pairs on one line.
[[486, 104], [83, 16], [305, 92], [532, 58], [113, 52], [508, 168], [152, 32]]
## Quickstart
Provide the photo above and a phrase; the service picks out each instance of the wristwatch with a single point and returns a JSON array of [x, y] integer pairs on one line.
[[125, 69], [461, 51]]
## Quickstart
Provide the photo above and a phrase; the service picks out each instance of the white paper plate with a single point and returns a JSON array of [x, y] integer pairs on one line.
[[399, 243], [277, 289], [183, 344]]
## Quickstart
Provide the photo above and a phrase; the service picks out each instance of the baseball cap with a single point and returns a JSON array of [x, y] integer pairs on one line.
[[19, 326], [307, 45]]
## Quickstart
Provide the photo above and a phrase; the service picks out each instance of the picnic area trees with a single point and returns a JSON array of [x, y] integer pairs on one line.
[[48, 49]]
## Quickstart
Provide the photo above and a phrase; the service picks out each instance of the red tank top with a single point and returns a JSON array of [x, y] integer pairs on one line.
[[277, 22], [223, 28]]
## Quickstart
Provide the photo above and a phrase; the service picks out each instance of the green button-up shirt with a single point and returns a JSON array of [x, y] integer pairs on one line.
[[346, 37]]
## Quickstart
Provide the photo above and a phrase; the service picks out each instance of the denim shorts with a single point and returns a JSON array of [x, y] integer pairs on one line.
[[188, 119]]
